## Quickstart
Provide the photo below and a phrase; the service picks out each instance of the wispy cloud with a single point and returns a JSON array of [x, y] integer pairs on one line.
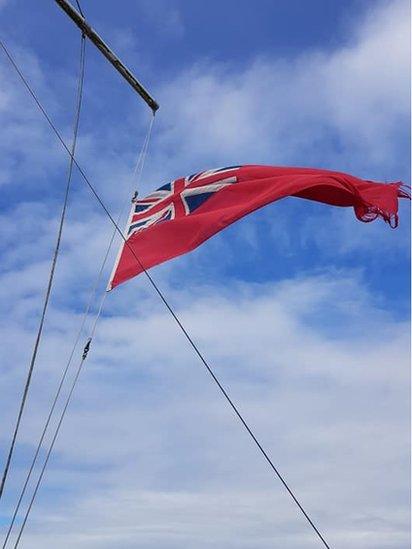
[[337, 108]]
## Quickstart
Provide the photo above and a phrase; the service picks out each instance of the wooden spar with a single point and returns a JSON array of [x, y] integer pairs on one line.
[[80, 21]]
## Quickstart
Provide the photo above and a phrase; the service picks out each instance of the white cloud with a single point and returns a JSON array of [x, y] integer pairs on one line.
[[367, 82], [167, 460], [345, 107]]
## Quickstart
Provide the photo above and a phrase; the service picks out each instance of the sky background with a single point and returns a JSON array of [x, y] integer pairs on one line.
[[302, 310]]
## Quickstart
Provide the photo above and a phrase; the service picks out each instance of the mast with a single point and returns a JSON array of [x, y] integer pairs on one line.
[[87, 30]]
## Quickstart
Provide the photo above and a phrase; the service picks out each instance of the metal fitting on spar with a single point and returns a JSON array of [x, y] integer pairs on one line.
[[86, 348]]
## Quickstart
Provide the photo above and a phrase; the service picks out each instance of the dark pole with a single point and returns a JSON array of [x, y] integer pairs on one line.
[[107, 52]]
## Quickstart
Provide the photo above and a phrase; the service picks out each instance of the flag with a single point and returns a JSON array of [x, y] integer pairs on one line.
[[179, 216]]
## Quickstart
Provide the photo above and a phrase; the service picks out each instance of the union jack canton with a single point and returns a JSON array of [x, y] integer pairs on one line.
[[178, 198]]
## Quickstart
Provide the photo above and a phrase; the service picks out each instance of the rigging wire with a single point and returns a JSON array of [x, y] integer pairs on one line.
[[80, 8], [168, 306], [135, 179], [52, 267]]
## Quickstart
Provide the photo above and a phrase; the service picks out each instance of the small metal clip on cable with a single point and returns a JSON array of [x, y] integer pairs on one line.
[[134, 197], [86, 348]]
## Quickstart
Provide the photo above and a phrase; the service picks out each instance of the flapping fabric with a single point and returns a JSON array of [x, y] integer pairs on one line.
[[182, 214]]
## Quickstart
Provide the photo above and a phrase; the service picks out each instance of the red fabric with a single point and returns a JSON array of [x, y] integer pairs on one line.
[[255, 187]]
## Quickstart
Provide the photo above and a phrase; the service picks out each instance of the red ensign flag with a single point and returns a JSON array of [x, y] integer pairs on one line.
[[180, 215]]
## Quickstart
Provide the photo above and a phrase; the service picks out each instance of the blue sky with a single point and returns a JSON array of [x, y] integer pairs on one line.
[[302, 310]]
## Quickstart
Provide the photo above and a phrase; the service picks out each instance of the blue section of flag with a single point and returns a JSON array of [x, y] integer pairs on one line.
[[141, 207], [196, 200], [165, 217], [136, 225], [227, 168], [191, 177], [165, 187]]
